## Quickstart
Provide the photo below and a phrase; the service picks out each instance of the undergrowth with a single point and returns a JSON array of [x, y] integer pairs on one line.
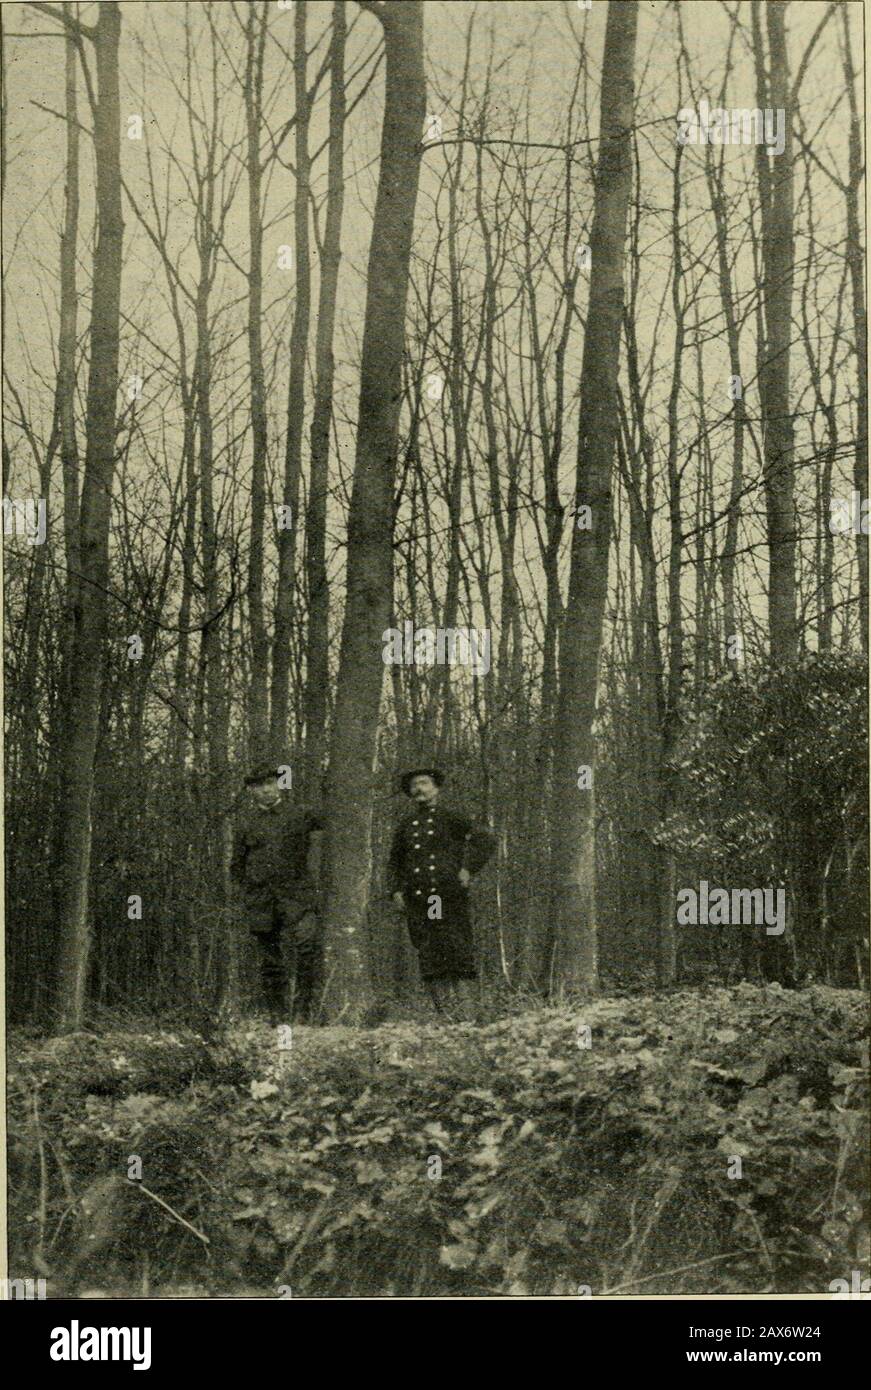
[[709, 1140]]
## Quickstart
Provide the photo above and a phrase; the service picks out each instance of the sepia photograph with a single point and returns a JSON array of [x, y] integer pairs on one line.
[[435, 657]]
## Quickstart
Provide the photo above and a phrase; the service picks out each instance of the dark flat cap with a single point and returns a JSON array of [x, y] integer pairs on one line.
[[406, 779], [261, 772]]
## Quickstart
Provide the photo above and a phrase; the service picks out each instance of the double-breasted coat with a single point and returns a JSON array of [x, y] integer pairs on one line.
[[430, 847]]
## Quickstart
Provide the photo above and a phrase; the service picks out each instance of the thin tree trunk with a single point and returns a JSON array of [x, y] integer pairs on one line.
[[180, 737], [258, 684], [317, 645], [778, 257], [728, 555], [66, 377], [666, 942], [65, 408], [855, 259], [281, 642], [86, 664]]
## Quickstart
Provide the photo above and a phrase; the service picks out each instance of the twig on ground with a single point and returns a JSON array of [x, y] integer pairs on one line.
[[140, 1187], [680, 1269], [43, 1179]]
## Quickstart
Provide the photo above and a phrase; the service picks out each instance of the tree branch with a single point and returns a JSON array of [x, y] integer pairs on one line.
[[75, 25]]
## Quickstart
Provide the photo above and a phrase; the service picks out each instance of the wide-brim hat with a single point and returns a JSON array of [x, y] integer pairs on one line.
[[407, 778], [261, 772]]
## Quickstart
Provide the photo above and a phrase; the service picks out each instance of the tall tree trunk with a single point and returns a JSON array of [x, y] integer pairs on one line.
[[63, 433], [456, 461], [317, 644], [90, 612], [369, 601], [258, 684], [538, 941], [212, 659], [65, 404], [212, 654], [776, 181], [728, 555], [180, 735], [856, 262], [573, 821], [66, 375], [281, 652], [666, 942]]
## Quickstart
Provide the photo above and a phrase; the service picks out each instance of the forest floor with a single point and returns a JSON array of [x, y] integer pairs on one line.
[[703, 1140]]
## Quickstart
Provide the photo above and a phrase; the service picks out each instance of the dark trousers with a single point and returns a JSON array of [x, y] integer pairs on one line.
[[287, 951]]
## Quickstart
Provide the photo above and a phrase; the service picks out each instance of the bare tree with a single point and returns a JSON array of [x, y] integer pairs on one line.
[[317, 644], [776, 179], [282, 631], [258, 684], [856, 262], [369, 599], [89, 633], [573, 820]]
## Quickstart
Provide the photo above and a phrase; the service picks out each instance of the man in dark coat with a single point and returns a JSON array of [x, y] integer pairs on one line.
[[275, 862], [434, 854]]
